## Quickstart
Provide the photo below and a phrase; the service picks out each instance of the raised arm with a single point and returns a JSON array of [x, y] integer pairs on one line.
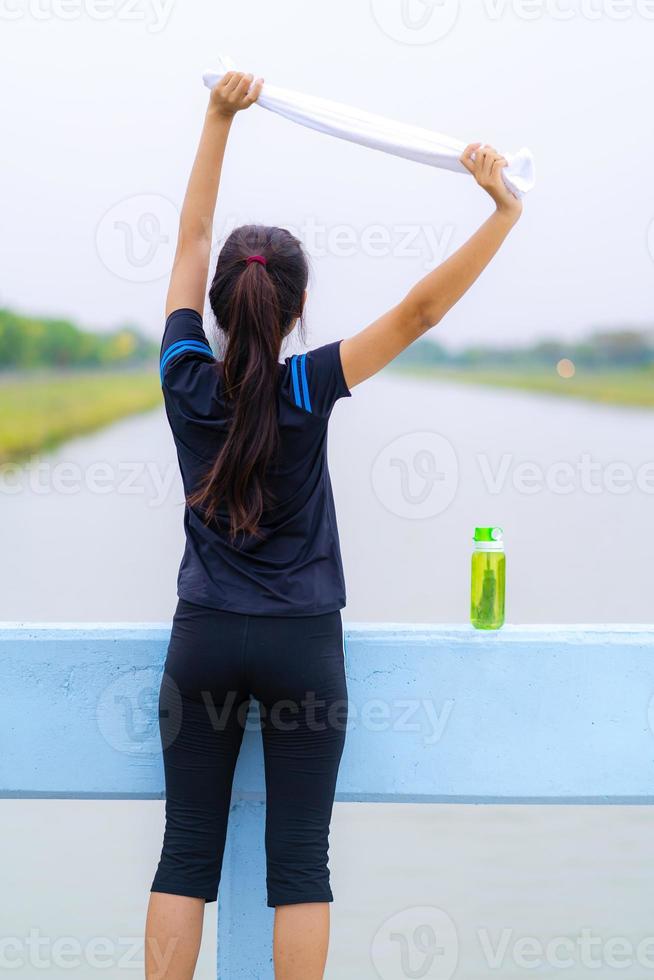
[[188, 280], [427, 303]]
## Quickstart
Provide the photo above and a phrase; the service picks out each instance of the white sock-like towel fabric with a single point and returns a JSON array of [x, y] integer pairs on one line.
[[399, 139]]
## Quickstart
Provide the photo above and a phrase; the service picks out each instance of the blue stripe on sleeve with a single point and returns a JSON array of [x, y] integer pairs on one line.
[[305, 386], [179, 343], [180, 347], [296, 385]]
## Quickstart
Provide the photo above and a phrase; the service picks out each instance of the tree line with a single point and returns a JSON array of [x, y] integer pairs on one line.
[[32, 342], [28, 343], [602, 350]]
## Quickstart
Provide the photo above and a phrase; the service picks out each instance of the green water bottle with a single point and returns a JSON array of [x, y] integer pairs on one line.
[[488, 579]]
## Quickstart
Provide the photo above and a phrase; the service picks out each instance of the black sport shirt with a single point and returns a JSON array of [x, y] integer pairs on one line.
[[294, 568]]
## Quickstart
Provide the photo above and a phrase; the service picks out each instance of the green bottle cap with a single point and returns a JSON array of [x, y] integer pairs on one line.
[[490, 534]]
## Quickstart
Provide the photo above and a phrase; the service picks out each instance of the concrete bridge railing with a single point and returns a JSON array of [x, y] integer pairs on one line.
[[438, 714]]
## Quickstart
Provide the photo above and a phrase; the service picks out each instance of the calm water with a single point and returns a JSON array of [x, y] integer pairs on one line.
[[429, 892], [94, 530]]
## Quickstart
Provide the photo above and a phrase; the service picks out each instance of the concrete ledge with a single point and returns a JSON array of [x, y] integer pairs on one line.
[[559, 714], [437, 713]]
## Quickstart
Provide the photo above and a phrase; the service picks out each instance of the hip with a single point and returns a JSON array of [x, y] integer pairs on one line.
[[260, 656]]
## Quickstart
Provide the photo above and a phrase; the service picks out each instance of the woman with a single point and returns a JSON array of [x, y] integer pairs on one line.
[[261, 584]]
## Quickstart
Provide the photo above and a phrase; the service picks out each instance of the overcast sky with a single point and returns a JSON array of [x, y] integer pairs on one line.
[[102, 104]]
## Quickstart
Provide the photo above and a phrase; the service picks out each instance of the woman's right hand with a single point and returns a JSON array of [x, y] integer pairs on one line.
[[235, 91], [486, 166]]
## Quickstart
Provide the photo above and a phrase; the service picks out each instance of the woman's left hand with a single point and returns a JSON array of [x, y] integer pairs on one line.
[[235, 91]]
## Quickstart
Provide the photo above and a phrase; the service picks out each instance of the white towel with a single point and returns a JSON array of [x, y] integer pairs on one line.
[[379, 133]]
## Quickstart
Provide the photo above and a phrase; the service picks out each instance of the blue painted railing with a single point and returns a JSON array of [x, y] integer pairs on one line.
[[528, 715]]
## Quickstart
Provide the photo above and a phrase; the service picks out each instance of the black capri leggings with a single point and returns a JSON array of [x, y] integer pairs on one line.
[[217, 661]]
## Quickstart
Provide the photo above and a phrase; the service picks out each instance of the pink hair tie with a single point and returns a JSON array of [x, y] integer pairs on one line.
[[256, 258]]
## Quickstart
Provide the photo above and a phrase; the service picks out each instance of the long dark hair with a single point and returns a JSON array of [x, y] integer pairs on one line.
[[255, 307]]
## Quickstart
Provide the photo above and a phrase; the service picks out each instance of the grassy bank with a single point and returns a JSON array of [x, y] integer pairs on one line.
[[633, 387], [39, 411]]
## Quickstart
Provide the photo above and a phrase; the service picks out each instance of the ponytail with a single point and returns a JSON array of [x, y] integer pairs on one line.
[[255, 302]]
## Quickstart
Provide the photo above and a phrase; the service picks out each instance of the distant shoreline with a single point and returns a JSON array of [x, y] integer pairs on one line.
[[40, 410], [633, 388]]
